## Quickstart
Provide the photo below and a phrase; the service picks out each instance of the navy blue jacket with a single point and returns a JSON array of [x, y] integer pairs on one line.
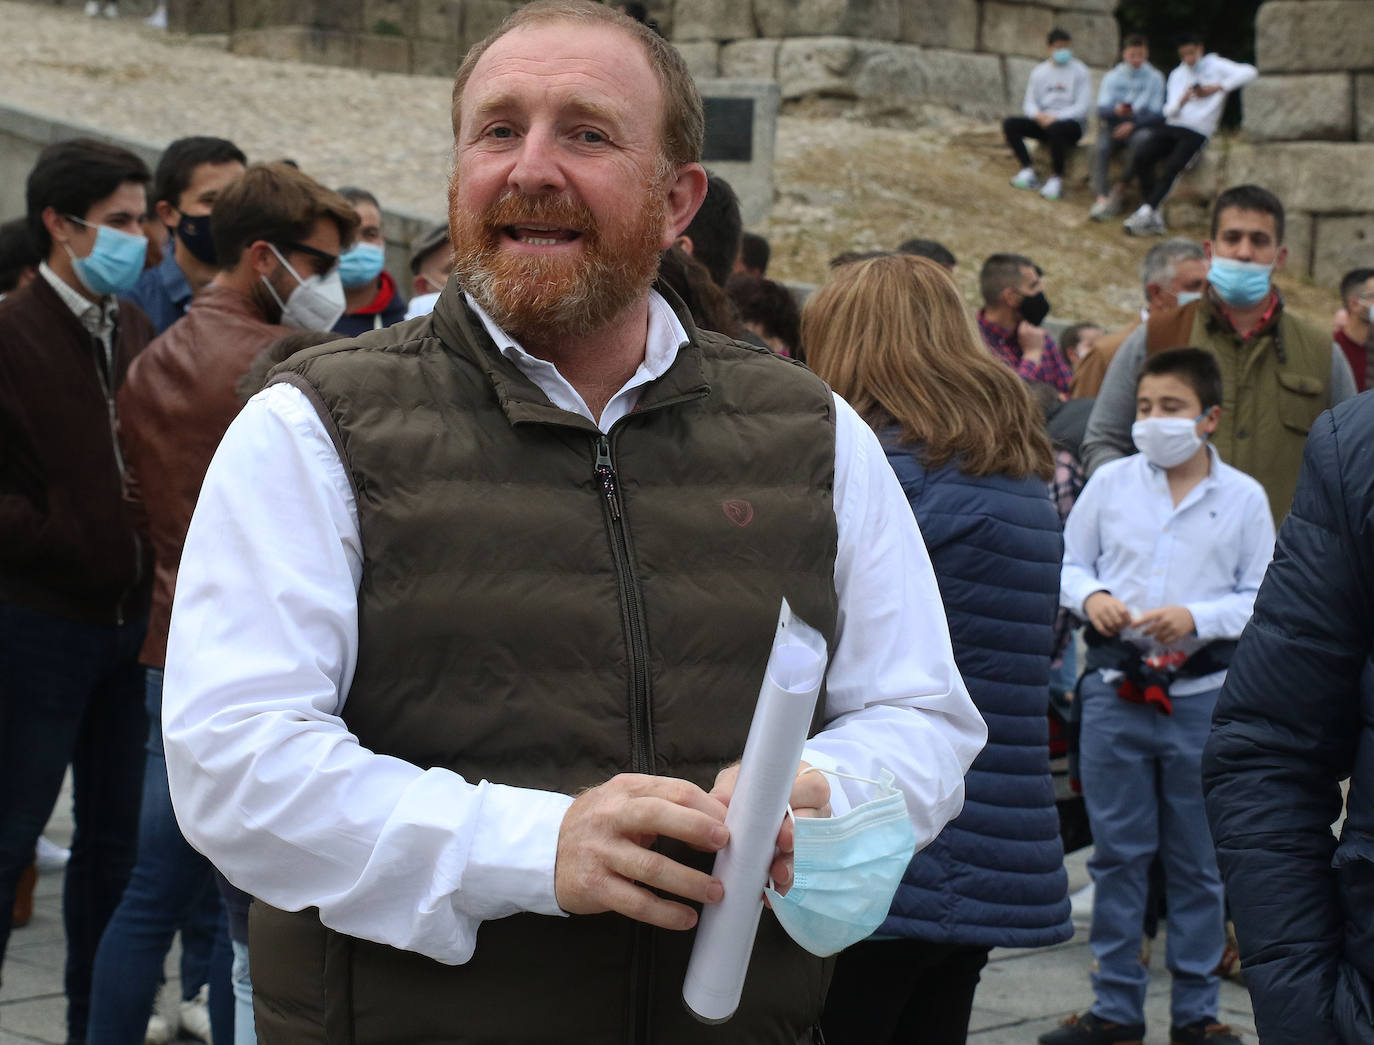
[[995, 876], [1295, 717]]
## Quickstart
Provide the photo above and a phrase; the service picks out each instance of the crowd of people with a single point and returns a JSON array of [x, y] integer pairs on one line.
[[368, 615]]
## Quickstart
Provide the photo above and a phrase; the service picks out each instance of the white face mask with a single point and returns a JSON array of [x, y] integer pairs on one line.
[[315, 304], [1167, 441]]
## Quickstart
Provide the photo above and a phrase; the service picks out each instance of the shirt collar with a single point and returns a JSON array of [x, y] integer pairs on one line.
[[1275, 304], [666, 335], [174, 281], [998, 331], [98, 318]]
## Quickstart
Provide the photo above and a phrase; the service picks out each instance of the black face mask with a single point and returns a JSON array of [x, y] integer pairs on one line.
[[194, 233], [1035, 308]]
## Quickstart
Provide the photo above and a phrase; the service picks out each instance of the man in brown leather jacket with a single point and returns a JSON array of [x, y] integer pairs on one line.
[[73, 573], [175, 406]]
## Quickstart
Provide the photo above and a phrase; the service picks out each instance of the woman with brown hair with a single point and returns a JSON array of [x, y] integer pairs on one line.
[[891, 336]]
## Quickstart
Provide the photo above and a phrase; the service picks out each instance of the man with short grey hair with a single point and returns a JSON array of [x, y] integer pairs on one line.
[[1173, 273]]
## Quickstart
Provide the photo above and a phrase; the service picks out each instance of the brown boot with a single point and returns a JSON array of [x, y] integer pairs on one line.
[[23, 896]]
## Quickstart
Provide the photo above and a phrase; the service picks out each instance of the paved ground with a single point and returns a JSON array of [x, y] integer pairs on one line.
[[1022, 994]]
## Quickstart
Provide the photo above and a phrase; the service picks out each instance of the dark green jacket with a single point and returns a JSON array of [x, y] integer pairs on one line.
[[546, 607]]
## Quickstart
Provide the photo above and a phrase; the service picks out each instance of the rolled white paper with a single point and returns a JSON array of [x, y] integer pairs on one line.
[[777, 734]]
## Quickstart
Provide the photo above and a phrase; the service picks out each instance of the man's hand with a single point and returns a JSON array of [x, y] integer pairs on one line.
[[604, 857], [1167, 624], [1205, 90], [1032, 341], [1106, 612], [1044, 119], [810, 797], [1123, 109], [1122, 131]]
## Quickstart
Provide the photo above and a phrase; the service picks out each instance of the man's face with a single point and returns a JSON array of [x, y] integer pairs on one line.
[[1247, 235], [432, 274], [315, 255], [1360, 302], [1168, 395], [1190, 277], [559, 204], [197, 199], [1135, 57], [124, 209], [370, 224], [1189, 54]]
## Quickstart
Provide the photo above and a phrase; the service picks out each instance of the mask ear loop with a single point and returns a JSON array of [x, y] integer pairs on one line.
[[793, 817]]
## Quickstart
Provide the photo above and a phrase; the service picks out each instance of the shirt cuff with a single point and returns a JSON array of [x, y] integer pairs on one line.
[[514, 850], [1204, 621]]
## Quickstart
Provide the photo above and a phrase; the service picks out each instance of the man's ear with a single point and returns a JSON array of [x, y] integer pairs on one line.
[[260, 256], [685, 195], [1280, 258], [57, 226], [684, 243], [167, 214]]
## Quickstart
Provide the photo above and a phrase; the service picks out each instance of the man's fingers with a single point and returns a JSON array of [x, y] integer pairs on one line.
[[781, 872], [634, 901], [657, 816], [657, 871]]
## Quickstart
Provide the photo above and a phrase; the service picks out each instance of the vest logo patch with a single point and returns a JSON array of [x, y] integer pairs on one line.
[[741, 513]]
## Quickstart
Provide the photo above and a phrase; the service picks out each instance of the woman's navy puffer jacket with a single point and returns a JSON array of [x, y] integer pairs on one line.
[[995, 876]]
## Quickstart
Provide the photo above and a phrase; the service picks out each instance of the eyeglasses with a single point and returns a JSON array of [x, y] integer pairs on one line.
[[330, 260]]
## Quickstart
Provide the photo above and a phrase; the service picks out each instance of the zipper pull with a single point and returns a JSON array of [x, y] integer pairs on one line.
[[605, 475]]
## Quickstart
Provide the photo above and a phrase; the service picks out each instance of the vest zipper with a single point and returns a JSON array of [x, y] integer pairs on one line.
[[632, 611], [112, 418]]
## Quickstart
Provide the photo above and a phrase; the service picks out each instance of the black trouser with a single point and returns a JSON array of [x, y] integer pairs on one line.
[[1062, 135], [902, 991], [1176, 146]]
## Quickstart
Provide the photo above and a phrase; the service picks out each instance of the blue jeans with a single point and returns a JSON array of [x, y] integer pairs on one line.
[[1142, 781], [244, 1032], [169, 884], [71, 693]]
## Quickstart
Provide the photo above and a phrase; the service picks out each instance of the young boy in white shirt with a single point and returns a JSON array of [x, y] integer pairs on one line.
[[1164, 552]]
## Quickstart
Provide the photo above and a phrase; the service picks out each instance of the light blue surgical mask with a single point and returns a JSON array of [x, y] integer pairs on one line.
[[361, 264], [1187, 297], [1239, 283], [114, 263], [1062, 55], [846, 871]]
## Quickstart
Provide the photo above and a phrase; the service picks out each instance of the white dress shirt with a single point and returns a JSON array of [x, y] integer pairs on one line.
[[1203, 114], [268, 782], [1209, 554]]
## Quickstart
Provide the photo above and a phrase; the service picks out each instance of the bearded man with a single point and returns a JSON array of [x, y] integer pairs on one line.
[[474, 609]]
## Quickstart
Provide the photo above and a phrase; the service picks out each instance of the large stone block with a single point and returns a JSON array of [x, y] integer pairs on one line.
[[435, 58], [817, 66], [1301, 107], [258, 14], [439, 20], [1322, 177], [714, 20], [298, 44], [702, 58], [746, 165], [1298, 230], [1314, 35], [1094, 35], [391, 17], [941, 23], [1018, 72], [868, 19], [902, 73], [199, 16], [1341, 244], [384, 54], [344, 16], [480, 17], [1364, 107], [750, 59], [1015, 28]]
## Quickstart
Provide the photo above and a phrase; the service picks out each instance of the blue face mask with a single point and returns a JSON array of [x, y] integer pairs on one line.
[[361, 264], [1239, 283], [114, 263], [1062, 55], [847, 869]]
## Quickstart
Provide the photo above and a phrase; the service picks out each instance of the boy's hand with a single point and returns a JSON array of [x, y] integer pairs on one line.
[[1167, 624], [1106, 612]]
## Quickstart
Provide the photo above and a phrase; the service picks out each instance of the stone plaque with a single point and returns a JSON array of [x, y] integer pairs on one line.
[[729, 130]]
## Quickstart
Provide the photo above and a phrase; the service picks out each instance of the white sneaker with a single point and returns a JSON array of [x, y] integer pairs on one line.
[[158, 19], [1105, 209], [1081, 904], [1143, 222], [1025, 179], [111, 10], [92, 8], [1054, 189], [159, 1031], [51, 856], [194, 1016]]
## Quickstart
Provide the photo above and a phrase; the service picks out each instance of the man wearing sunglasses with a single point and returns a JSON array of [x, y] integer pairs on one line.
[[73, 572]]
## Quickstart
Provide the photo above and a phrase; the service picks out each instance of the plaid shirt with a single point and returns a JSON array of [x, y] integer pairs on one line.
[[1053, 368]]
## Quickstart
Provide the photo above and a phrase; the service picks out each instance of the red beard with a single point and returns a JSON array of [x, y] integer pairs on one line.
[[543, 300]]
